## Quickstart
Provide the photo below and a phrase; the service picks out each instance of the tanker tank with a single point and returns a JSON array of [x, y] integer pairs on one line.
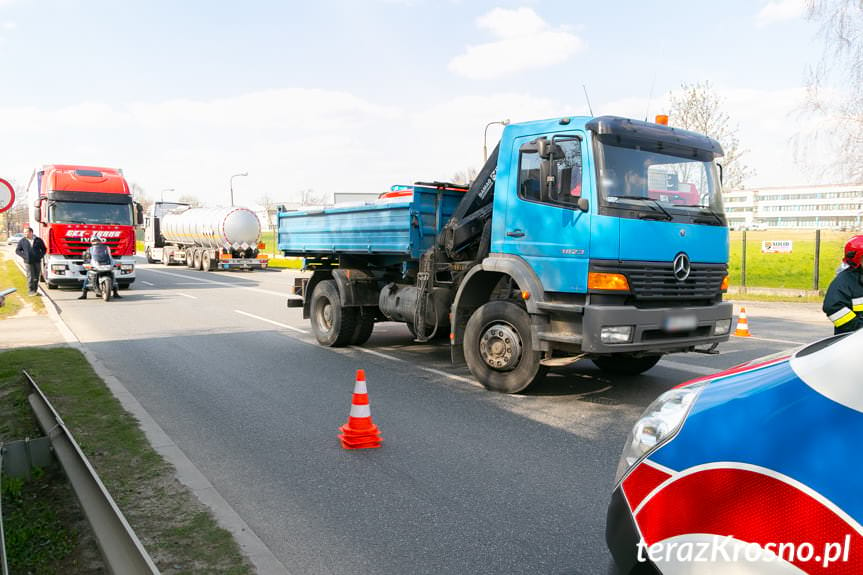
[[218, 228]]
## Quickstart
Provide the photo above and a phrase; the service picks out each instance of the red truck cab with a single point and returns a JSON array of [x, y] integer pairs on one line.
[[71, 205]]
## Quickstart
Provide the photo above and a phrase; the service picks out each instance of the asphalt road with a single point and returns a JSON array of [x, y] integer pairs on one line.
[[467, 481]]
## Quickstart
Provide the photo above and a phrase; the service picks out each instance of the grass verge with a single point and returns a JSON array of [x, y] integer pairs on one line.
[[175, 528], [11, 276]]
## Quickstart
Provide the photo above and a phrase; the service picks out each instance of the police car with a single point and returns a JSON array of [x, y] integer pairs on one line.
[[756, 469]]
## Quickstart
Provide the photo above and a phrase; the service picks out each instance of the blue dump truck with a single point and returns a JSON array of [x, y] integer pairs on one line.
[[581, 238]]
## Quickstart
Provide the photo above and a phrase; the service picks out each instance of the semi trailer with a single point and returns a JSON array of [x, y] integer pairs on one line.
[[581, 238], [206, 239], [70, 205]]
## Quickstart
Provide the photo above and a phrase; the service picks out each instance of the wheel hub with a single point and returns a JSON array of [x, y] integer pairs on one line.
[[500, 347], [326, 316]]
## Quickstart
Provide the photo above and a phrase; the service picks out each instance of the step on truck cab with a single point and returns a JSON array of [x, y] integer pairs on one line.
[[600, 238], [72, 204]]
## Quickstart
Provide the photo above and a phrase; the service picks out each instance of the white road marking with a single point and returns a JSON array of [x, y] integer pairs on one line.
[[771, 340], [148, 283], [679, 365], [377, 353], [282, 325], [187, 295], [452, 376], [218, 283]]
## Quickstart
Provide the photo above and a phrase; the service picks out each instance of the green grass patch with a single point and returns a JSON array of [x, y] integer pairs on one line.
[[790, 271], [175, 528], [12, 276]]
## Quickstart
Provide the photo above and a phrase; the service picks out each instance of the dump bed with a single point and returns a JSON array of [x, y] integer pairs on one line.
[[404, 226]]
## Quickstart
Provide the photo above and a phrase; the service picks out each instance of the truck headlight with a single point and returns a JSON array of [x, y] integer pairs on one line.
[[127, 267], [722, 327], [659, 423], [616, 334]]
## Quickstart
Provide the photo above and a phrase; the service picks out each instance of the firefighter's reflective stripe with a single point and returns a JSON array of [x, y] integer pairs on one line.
[[842, 317], [857, 304]]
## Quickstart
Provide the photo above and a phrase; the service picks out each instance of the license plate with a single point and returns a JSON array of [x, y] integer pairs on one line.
[[680, 323]]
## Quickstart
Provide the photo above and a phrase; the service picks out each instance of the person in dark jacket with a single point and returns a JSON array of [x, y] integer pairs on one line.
[[843, 303], [31, 249], [98, 253]]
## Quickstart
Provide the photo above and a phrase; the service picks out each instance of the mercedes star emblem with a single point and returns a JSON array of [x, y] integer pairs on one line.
[[681, 266]]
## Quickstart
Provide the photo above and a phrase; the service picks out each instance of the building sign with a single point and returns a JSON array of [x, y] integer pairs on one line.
[[776, 247]]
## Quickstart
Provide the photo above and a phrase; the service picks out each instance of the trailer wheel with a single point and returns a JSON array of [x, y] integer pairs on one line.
[[364, 329], [206, 262], [625, 364], [333, 324], [190, 259], [499, 350], [196, 263]]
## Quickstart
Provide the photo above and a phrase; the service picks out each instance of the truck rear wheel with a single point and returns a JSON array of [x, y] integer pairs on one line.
[[190, 259], [364, 329], [499, 350], [196, 264], [333, 324], [206, 262], [625, 364]]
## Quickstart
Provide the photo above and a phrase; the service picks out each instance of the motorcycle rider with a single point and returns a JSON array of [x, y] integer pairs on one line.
[[843, 302], [98, 253]]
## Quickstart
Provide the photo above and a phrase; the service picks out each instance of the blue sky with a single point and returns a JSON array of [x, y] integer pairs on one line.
[[357, 95]]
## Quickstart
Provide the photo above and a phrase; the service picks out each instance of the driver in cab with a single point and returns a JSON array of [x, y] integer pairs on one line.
[[99, 254]]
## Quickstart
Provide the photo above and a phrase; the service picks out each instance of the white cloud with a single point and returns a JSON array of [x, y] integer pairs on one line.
[[524, 42], [780, 11]]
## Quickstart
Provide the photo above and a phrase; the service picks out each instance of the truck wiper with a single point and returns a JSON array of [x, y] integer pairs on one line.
[[700, 220], [656, 204]]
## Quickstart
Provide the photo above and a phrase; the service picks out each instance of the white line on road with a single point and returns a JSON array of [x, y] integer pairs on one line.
[[452, 376], [148, 283], [282, 325], [187, 295], [679, 365], [228, 284], [771, 340], [377, 353]]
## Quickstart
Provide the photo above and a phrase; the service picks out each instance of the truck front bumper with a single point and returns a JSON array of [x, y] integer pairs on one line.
[[60, 271], [653, 330]]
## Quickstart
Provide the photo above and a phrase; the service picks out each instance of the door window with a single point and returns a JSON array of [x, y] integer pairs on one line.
[[551, 172]]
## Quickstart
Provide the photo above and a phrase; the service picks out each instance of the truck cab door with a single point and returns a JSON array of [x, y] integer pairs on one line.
[[548, 211]]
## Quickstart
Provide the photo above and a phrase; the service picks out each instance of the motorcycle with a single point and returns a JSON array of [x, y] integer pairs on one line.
[[100, 278]]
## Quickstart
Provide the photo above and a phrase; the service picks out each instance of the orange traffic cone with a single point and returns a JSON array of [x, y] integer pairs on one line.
[[360, 432], [742, 324]]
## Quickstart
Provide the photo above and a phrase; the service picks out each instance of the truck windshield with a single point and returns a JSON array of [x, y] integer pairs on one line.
[[636, 178], [90, 213]]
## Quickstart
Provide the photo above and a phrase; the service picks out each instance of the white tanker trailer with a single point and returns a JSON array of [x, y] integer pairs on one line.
[[203, 238]]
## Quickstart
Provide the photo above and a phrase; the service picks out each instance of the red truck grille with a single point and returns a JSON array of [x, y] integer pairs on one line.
[[77, 246]]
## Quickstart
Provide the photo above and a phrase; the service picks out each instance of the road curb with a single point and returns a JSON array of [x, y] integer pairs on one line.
[[261, 557]]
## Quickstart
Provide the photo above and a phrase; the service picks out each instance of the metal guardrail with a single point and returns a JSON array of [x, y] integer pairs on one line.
[[120, 547]]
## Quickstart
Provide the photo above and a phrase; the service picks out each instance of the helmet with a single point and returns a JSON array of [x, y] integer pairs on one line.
[[95, 240], [854, 252]]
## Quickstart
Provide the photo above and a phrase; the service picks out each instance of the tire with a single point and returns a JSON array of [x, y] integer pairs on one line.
[[206, 262], [149, 256], [332, 324], [50, 285], [106, 289], [364, 329], [196, 262], [499, 350], [625, 364], [190, 259]]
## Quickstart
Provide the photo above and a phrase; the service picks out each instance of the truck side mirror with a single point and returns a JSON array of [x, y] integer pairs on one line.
[[37, 210], [139, 213], [583, 204]]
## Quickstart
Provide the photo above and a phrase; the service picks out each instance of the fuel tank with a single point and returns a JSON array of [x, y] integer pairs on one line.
[[212, 227]]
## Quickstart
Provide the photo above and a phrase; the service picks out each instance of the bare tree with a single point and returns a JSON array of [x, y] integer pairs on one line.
[[699, 108], [841, 64], [464, 177], [270, 206], [312, 198], [191, 200], [140, 196]]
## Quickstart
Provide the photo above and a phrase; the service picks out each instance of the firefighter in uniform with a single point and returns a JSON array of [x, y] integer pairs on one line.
[[843, 303]]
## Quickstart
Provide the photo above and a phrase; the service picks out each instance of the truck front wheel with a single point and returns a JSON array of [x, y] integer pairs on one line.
[[332, 324], [499, 350], [625, 364]]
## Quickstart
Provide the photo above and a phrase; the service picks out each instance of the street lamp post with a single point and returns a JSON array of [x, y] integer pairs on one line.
[[232, 185], [485, 137], [162, 193]]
